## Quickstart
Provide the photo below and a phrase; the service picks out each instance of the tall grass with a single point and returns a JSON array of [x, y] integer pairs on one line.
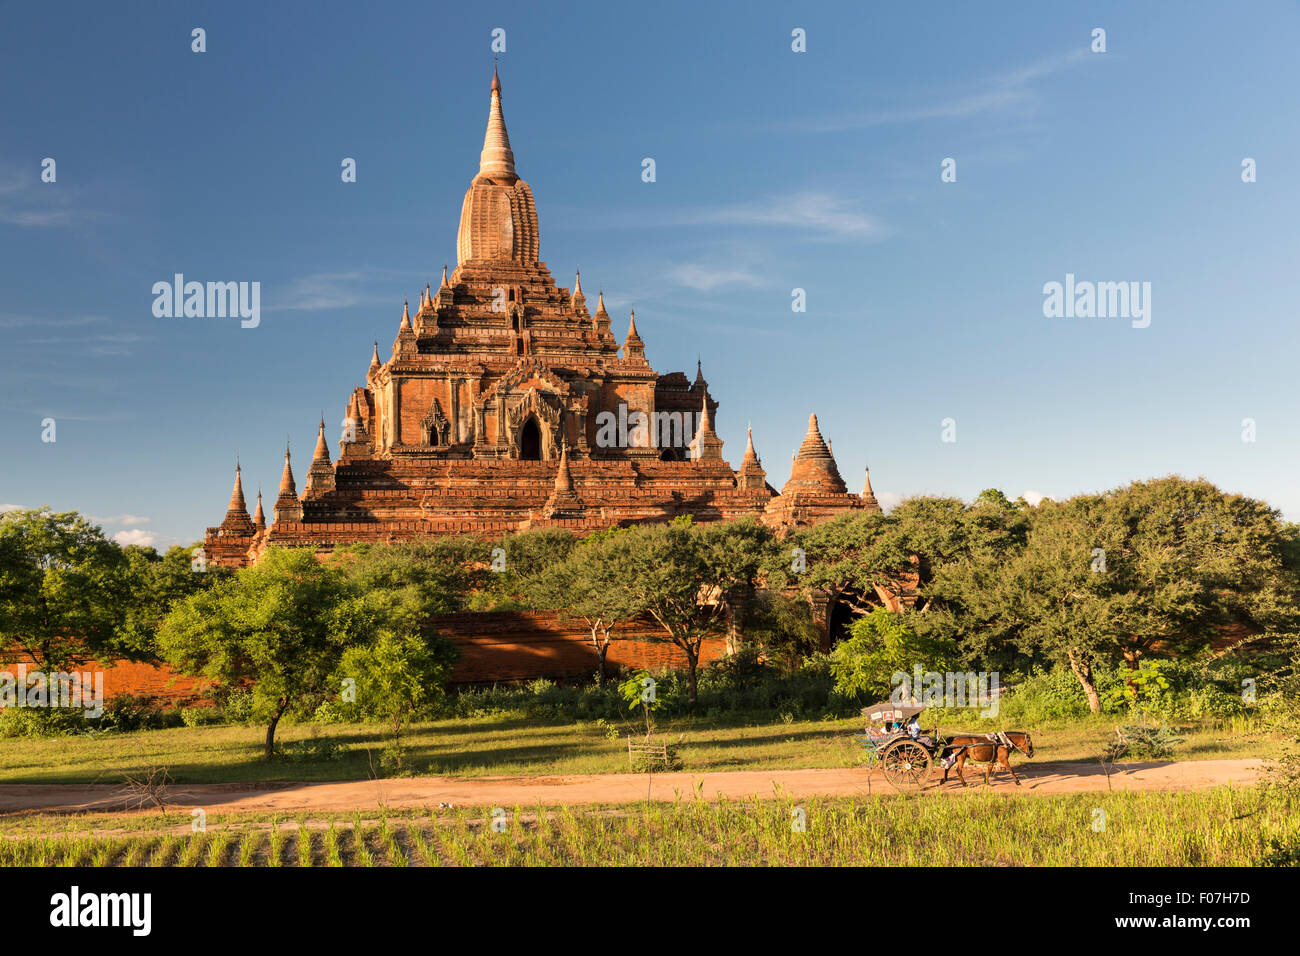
[[1222, 827]]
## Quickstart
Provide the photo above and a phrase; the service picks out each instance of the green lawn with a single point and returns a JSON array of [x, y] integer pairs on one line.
[[509, 745]]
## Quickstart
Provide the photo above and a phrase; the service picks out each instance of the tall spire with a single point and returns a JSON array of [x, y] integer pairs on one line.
[[322, 446], [444, 277], [287, 486], [237, 521], [564, 501], [237, 493], [374, 360], [287, 506], [320, 476], [563, 479], [497, 161], [406, 318], [751, 476], [259, 517], [706, 445], [868, 496], [633, 347]]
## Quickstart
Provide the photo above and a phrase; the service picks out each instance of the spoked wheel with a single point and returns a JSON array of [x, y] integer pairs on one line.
[[906, 765]]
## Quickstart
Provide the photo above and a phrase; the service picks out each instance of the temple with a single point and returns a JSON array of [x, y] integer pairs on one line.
[[507, 403]]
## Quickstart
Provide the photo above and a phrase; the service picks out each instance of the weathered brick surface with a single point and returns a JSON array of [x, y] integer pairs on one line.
[[128, 678], [495, 646], [522, 645], [496, 371]]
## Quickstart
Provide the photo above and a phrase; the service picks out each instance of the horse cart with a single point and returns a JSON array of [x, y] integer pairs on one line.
[[906, 761], [907, 756]]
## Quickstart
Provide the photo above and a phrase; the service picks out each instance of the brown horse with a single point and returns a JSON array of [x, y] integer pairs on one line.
[[981, 749]]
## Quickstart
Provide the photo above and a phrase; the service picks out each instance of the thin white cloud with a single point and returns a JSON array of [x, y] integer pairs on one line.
[[888, 500], [1033, 497], [145, 539], [4, 508], [124, 520], [707, 278], [25, 201], [337, 290], [12, 321], [813, 211], [1001, 93]]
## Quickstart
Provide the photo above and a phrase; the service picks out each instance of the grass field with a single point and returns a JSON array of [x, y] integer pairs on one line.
[[1221, 827], [516, 746]]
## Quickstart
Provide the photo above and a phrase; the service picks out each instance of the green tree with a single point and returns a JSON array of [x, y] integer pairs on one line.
[[1159, 567], [155, 583], [404, 585], [883, 644], [279, 627], [64, 589], [686, 577], [398, 677], [594, 583]]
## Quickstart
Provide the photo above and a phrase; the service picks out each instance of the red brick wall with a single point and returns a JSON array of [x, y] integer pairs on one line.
[[124, 677], [494, 646], [521, 645]]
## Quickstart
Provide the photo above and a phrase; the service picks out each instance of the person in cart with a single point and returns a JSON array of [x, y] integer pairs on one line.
[[914, 731]]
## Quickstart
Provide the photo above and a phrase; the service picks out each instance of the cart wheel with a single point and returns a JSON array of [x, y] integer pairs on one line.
[[906, 765]]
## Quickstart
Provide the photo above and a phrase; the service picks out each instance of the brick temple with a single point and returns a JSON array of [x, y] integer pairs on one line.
[[507, 404]]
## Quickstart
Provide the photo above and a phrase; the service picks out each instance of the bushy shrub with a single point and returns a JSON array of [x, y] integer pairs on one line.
[[1155, 743], [312, 750], [127, 713], [741, 684], [1180, 690], [1055, 694], [200, 716], [237, 707], [42, 721]]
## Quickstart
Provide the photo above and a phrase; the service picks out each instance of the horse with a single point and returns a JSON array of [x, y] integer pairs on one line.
[[991, 749]]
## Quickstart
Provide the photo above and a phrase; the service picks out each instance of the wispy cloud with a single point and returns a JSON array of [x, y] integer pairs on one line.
[[145, 539], [11, 321], [1004, 92], [811, 211], [707, 278], [25, 201], [124, 520], [337, 290]]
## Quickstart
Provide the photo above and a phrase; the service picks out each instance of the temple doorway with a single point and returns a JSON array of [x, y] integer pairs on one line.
[[530, 441]]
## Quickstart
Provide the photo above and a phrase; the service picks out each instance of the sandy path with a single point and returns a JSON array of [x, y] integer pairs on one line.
[[613, 788]]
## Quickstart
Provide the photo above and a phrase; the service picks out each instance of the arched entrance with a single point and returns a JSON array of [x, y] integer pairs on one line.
[[530, 441]]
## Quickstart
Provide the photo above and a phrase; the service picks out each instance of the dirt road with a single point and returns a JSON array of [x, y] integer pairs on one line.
[[418, 792]]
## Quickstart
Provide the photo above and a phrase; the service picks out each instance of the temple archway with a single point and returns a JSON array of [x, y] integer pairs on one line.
[[530, 441]]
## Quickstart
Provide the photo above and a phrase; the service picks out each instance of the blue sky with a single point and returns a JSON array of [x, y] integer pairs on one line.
[[775, 170]]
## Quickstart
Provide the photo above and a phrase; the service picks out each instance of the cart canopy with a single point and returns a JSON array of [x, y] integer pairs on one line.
[[891, 711]]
